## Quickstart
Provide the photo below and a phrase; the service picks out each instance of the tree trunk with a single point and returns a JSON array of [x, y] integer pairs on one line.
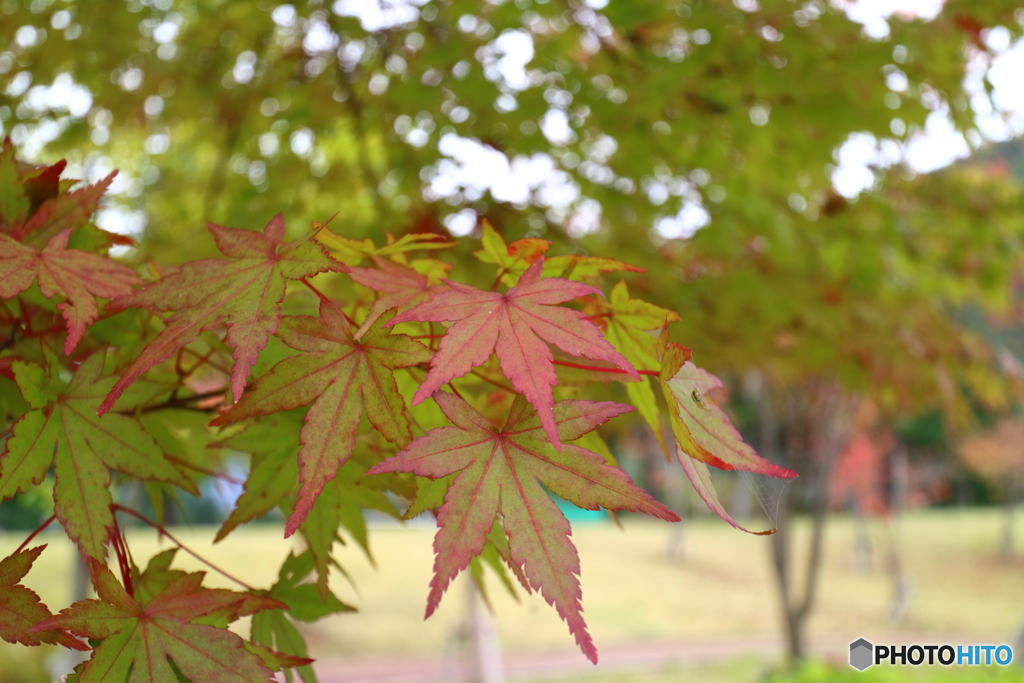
[[1010, 506], [675, 498], [65, 660], [901, 586], [862, 551], [797, 607], [485, 649], [742, 505], [816, 460]]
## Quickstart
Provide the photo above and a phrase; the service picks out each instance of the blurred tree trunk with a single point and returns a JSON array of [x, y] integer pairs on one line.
[[675, 498], [901, 587], [742, 505], [65, 660], [485, 648], [813, 432], [862, 548], [1010, 505]]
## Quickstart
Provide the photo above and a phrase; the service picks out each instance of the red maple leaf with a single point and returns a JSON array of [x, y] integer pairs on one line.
[[402, 288], [500, 472], [78, 276], [517, 326], [244, 291]]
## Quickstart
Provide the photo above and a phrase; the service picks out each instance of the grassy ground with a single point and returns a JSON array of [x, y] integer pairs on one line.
[[721, 588]]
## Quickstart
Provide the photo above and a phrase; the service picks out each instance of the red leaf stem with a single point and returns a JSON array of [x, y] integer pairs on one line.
[[616, 371], [35, 533]]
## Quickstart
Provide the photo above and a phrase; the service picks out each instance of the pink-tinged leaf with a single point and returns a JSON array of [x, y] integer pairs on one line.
[[244, 292], [702, 428], [66, 211], [20, 608], [704, 434], [700, 476], [517, 326], [63, 431], [401, 288], [140, 640], [500, 471], [339, 375], [77, 276]]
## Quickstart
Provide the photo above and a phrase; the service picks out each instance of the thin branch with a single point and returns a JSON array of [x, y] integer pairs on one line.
[[204, 470], [164, 532], [495, 382], [497, 280], [204, 360], [455, 391], [179, 403]]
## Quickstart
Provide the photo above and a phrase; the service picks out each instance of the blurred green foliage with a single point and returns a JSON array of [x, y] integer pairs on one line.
[[233, 110]]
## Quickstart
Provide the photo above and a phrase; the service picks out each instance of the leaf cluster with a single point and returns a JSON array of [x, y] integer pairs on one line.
[[353, 377]]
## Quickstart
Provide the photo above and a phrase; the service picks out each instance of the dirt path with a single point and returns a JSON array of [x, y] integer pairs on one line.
[[566, 663], [570, 665]]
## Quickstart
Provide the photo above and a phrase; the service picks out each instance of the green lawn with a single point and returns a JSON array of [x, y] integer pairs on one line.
[[722, 588]]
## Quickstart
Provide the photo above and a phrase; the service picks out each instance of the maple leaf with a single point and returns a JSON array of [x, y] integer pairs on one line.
[[142, 637], [78, 276], [20, 608], [273, 628], [403, 288], [500, 472], [245, 291], [354, 251], [578, 267], [513, 259], [62, 430], [703, 432], [627, 323], [273, 471], [515, 325], [339, 375]]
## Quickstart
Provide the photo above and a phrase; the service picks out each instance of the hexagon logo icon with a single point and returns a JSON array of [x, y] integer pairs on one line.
[[861, 654]]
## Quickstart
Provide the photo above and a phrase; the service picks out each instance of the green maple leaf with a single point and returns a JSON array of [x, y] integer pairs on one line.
[[627, 323], [244, 291], [273, 444], [339, 375], [63, 430], [20, 608], [513, 259], [273, 628], [500, 472], [150, 639], [354, 251]]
